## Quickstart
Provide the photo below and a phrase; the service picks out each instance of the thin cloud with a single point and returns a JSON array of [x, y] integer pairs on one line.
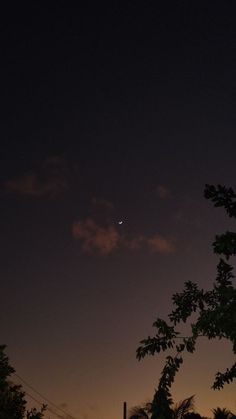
[[106, 240], [102, 204], [135, 243], [160, 244], [103, 240], [163, 192], [49, 180]]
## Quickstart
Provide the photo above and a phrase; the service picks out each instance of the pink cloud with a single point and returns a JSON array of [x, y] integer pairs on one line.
[[134, 243], [100, 203], [163, 192], [108, 239], [31, 184], [49, 180], [160, 244], [103, 240]]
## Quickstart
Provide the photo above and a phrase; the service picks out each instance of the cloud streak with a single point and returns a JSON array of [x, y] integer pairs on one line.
[[49, 180], [102, 240], [160, 244], [105, 240], [163, 192]]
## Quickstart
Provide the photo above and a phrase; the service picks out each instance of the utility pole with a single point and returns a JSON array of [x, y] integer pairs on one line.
[[125, 411]]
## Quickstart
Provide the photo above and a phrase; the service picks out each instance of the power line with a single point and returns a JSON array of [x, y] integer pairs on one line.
[[43, 397], [41, 404]]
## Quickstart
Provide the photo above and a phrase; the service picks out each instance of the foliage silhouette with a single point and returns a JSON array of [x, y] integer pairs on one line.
[[184, 408], [222, 413], [193, 415], [139, 412], [161, 407], [12, 397], [215, 310]]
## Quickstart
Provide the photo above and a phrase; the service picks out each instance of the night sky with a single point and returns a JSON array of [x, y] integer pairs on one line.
[[113, 118]]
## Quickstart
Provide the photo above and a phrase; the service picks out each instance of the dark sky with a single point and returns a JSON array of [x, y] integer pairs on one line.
[[109, 113]]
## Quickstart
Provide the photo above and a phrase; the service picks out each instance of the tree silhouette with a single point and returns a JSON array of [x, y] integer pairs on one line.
[[222, 413], [161, 407], [215, 310], [193, 415], [184, 408], [140, 412], [12, 397]]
